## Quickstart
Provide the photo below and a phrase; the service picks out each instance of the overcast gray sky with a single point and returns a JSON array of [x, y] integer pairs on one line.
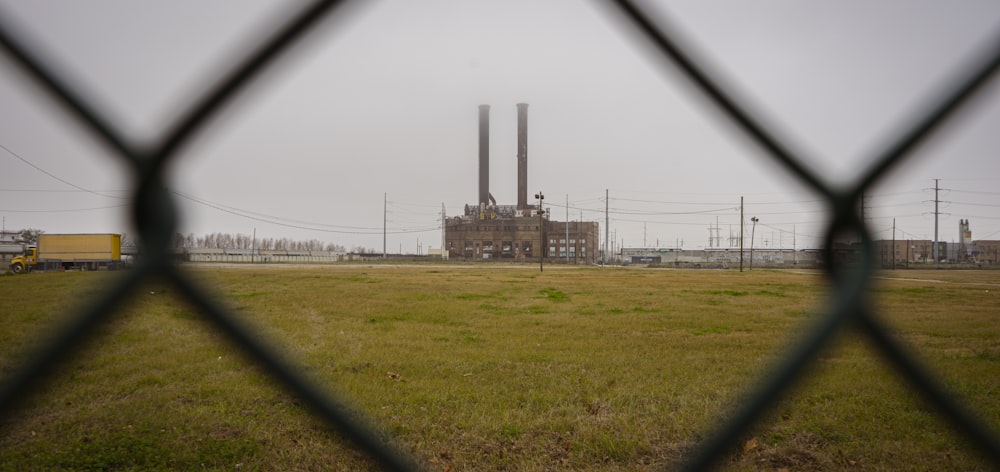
[[385, 101]]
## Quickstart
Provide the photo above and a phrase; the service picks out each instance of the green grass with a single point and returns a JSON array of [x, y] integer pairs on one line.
[[495, 369]]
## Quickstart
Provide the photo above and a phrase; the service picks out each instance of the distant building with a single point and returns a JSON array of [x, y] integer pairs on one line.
[[985, 251], [723, 258], [9, 237], [487, 231], [514, 237], [901, 252], [964, 240], [9, 247]]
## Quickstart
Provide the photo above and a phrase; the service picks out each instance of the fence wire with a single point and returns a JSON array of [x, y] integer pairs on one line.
[[155, 217]]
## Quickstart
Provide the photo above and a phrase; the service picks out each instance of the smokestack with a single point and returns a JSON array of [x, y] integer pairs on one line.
[[522, 155], [484, 154]]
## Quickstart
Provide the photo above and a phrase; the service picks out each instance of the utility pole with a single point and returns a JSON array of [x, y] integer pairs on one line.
[[935, 248], [752, 230], [893, 244], [741, 234], [607, 228], [385, 207], [541, 231], [567, 228]]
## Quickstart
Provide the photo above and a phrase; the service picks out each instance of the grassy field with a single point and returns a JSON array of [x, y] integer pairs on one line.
[[497, 369]]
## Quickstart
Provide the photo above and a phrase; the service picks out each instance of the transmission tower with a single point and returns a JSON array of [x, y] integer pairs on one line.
[[934, 249]]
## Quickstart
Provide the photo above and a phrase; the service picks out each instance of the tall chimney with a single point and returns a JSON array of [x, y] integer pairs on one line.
[[484, 154], [522, 155]]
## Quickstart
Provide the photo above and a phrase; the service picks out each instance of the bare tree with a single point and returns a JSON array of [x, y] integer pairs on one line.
[[28, 236], [128, 242], [246, 241]]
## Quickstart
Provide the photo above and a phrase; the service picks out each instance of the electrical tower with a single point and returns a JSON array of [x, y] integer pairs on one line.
[[934, 249]]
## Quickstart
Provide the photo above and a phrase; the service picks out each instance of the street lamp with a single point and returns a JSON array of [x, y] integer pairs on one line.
[[754, 227], [541, 232]]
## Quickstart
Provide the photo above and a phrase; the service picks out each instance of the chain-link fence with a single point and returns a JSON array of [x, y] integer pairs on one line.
[[155, 218]]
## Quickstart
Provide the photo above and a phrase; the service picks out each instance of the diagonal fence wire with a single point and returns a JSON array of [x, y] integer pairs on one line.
[[850, 307], [155, 218]]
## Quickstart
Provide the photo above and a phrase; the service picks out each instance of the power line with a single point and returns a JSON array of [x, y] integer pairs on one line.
[[976, 192], [42, 190], [620, 211], [262, 216], [320, 227], [976, 204], [39, 169], [72, 210], [667, 202]]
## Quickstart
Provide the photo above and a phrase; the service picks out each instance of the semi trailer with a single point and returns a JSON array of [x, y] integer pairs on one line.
[[71, 251]]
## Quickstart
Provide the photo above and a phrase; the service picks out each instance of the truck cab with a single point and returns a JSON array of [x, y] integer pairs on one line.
[[25, 262]]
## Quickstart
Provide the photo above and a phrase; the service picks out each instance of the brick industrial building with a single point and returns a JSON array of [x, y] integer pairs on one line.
[[487, 231]]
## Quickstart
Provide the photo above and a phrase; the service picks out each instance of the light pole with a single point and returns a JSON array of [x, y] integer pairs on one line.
[[541, 232], [752, 228]]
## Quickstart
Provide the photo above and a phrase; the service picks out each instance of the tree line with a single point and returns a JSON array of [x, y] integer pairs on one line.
[[29, 236], [246, 241]]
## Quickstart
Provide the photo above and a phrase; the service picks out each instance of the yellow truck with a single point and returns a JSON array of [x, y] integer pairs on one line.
[[71, 251]]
